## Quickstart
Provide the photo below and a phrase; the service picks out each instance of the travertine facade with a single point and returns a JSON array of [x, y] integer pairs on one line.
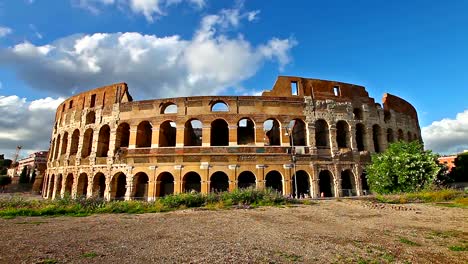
[[108, 145]]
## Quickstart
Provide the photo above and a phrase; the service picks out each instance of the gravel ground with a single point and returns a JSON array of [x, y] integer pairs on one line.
[[345, 231]]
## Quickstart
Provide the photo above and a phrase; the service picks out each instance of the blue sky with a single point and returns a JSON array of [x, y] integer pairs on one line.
[[414, 49]]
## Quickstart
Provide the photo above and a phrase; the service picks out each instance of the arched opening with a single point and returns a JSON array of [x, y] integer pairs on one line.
[[387, 116], [74, 142], [87, 143], [342, 134], [274, 181], [69, 184], [90, 118], [52, 150], [348, 185], [303, 184], [326, 184], [298, 132], [415, 137], [99, 185], [219, 133], [245, 132], [140, 186], [410, 138], [246, 180], [401, 136], [144, 134], [193, 133], [103, 141], [169, 108], [167, 134], [119, 186], [377, 138], [165, 184], [364, 184], [57, 147], [59, 185], [322, 134], [219, 182], [51, 186], [82, 187], [219, 106], [357, 112], [390, 136], [122, 137], [272, 130], [64, 144], [191, 182], [361, 137]]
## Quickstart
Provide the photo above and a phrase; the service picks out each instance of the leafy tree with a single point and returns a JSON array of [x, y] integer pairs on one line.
[[4, 181], [403, 167], [33, 176], [460, 172], [24, 175]]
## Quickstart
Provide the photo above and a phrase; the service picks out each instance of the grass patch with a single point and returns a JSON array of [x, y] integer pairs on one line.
[[89, 255], [48, 261], [244, 198], [458, 248], [408, 242], [290, 257], [448, 197]]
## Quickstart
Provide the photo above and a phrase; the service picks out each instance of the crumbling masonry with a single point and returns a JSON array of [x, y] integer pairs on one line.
[[105, 144]]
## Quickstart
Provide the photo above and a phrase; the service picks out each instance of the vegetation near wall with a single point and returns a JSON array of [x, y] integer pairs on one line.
[[403, 167]]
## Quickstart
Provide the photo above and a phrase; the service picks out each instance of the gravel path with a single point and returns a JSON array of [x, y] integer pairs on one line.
[[343, 231]]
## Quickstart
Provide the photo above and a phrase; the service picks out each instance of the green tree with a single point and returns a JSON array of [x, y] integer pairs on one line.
[[24, 178], [403, 167], [33, 176], [4, 181], [460, 172]]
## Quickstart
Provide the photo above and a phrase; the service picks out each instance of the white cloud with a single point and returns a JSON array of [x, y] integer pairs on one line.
[[152, 66], [5, 31], [447, 136], [151, 9], [26, 123]]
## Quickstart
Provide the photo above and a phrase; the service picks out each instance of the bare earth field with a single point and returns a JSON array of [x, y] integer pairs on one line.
[[344, 231]]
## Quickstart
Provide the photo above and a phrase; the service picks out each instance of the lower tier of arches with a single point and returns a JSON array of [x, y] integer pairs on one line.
[[150, 182]]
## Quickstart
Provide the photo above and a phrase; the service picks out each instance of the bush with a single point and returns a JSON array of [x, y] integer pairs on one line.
[[4, 181]]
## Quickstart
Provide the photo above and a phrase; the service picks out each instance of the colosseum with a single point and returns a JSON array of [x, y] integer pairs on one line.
[[309, 135]]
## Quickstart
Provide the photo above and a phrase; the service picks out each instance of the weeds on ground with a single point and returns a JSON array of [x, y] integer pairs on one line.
[[458, 248], [456, 198], [408, 242]]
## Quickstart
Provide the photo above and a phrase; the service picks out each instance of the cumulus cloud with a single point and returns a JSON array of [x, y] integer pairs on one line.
[[148, 8], [26, 123], [447, 136], [5, 31], [153, 66]]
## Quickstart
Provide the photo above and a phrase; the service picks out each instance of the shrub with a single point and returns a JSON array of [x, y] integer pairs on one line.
[[4, 181]]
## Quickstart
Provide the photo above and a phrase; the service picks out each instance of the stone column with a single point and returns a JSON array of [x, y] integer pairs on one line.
[[260, 137], [180, 135], [75, 185], [337, 180], [260, 184], [287, 182], [206, 136], [108, 189], [129, 187], [233, 183], [352, 138], [155, 137], [333, 143], [112, 139], [232, 135], [312, 143], [132, 138], [89, 191], [80, 147], [314, 187], [357, 171], [285, 140], [370, 139]]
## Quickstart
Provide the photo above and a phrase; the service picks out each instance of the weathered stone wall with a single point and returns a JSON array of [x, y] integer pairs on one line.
[[105, 144]]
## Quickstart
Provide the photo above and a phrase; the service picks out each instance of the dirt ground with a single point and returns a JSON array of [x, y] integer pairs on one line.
[[344, 231]]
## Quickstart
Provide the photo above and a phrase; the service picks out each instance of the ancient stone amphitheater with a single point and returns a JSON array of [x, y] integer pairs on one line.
[[318, 133]]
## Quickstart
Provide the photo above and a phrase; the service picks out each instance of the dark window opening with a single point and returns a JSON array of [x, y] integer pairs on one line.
[[274, 181], [273, 132], [141, 186], [322, 137], [401, 136], [87, 143], [165, 184], [71, 105], [342, 134], [298, 132], [99, 185], [219, 133], [167, 134], [64, 144], [119, 186], [193, 133], [93, 100], [74, 142], [377, 138], [191, 182], [294, 88], [122, 138], [103, 141], [69, 184], [357, 112], [144, 134], [246, 180], [336, 90], [387, 116], [390, 136], [82, 187], [219, 182], [348, 187], [326, 184], [169, 108], [245, 132], [303, 184], [90, 118]]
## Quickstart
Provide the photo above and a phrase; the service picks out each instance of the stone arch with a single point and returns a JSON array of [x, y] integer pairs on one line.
[[348, 184], [390, 136], [103, 141], [69, 184], [401, 135], [342, 134], [377, 138], [357, 113], [274, 181], [144, 134], [64, 144], [82, 186], [52, 150], [164, 184], [246, 180], [219, 106], [167, 134], [303, 184], [219, 133], [245, 131], [57, 147], [219, 182], [51, 186], [299, 133], [87, 143], [122, 136], [415, 137], [140, 186], [74, 142], [272, 130], [193, 133], [59, 185], [99, 185], [119, 186], [191, 182], [326, 184], [90, 118], [361, 137], [322, 134], [409, 137], [169, 108]]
